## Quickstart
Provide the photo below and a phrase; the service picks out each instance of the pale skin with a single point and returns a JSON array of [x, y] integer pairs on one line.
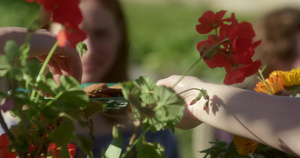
[[65, 60], [271, 120]]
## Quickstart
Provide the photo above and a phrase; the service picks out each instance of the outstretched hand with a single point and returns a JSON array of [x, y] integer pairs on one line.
[[191, 112], [65, 61]]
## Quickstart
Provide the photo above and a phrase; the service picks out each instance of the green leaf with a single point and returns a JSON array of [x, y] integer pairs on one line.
[[16, 73], [22, 98], [127, 89], [4, 65], [64, 152], [84, 143], [11, 49], [115, 148], [159, 107], [32, 69], [150, 150], [69, 83], [93, 108], [75, 98], [146, 86], [81, 48], [168, 110], [50, 113], [46, 88], [62, 135], [53, 85]]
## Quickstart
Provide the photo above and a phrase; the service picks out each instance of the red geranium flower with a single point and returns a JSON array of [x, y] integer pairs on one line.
[[232, 48], [238, 74], [71, 35], [4, 147], [210, 21], [52, 148], [67, 13], [215, 58]]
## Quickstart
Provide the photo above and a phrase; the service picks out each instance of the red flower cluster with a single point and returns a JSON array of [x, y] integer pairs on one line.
[[67, 13], [232, 47], [52, 149]]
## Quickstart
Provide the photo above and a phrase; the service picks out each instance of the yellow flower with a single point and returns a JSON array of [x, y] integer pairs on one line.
[[244, 145], [274, 83], [291, 78]]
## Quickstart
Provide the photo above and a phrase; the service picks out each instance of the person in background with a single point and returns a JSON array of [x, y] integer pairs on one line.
[[279, 31], [106, 60]]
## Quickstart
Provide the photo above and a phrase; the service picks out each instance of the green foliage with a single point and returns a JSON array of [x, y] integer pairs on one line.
[[156, 106], [44, 120], [221, 149], [149, 150]]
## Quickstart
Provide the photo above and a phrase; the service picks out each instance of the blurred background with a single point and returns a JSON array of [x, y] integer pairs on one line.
[[162, 36]]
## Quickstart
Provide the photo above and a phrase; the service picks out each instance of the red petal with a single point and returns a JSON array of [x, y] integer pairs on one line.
[[62, 38], [72, 150]]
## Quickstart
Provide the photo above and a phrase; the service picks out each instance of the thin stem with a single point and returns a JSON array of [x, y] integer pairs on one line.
[[211, 49], [43, 68], [189, 90], [55, 98], [264, 81], [188, 71]]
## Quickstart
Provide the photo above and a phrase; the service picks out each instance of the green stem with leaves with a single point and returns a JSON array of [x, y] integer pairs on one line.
[[43, 68]]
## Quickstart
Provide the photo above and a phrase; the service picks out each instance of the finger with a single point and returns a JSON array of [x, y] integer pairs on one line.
[[73, 61], [63, 64], [53, 67]]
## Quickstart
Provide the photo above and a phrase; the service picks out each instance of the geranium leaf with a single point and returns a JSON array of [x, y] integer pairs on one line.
[[75, 98], [50, 113], [11, 49], [62, 134], [168, 110], [146, 86], [4, 65], [93, 107], [53, 85], [69, 83], [150, 150], [83, 143], [32, 69], [64, 152], [46, 88], [81, 48]]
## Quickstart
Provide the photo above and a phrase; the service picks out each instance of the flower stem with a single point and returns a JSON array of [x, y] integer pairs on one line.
[[187, 71], [43, 68], [264, 81], [46, 62], [211, 49]]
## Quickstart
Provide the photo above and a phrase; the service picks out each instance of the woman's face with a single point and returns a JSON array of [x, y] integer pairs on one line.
[[102, 42]]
